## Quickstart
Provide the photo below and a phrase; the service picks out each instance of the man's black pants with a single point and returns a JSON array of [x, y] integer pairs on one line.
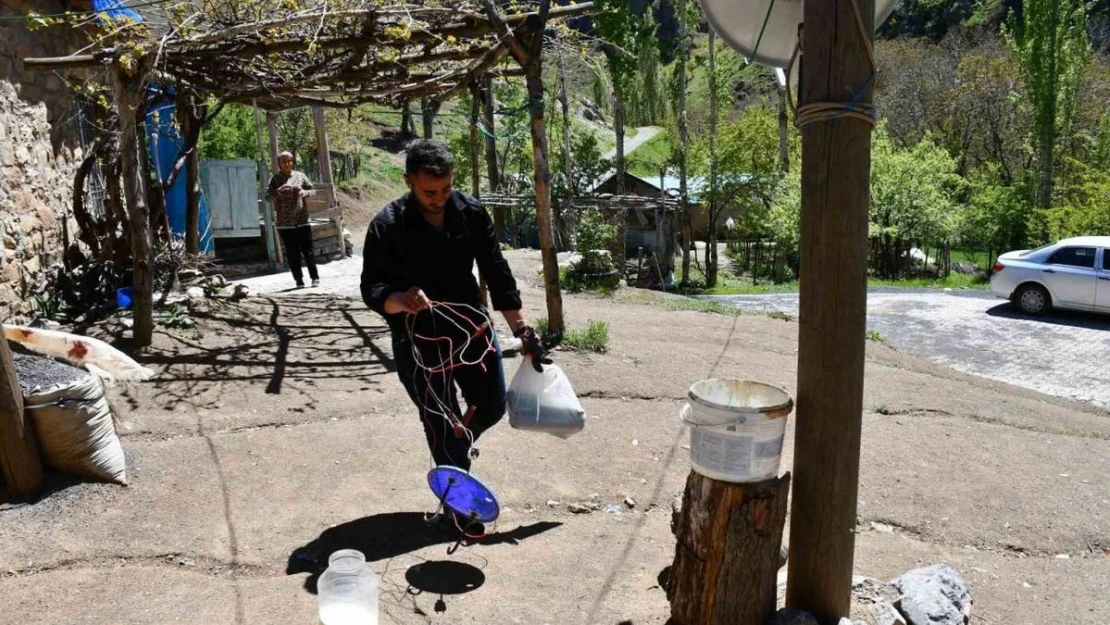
[[482, 385], [298, 245]]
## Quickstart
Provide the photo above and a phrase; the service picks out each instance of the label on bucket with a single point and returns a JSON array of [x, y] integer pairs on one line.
[[726, 454], [768, 449], [738, 453]]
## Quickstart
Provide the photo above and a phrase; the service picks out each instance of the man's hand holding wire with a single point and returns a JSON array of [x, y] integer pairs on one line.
[[531, 345], [411, 301]]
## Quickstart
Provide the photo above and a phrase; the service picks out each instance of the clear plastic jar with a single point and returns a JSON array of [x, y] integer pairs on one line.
[[347, 592]]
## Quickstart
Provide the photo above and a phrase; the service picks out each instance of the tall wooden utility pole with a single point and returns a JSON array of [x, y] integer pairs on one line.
[[836, 166]]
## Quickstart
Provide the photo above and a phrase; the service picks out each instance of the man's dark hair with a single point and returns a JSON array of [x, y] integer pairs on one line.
[[429, 156]]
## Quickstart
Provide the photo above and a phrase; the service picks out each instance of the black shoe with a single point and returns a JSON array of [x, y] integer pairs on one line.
[[300, 285]]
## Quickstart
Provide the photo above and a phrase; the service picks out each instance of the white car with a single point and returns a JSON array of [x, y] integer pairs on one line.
[[1074, 274]]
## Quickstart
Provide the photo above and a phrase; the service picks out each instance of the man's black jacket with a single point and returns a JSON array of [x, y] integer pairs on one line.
[[403, 250]]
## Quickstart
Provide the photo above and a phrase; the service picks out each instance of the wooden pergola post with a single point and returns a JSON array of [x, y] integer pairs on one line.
[[527, 49], [263, 204], [19, 451], [271, 128], [129, 92], [323, 154], [190, 117], [327, 179], [836, 165]]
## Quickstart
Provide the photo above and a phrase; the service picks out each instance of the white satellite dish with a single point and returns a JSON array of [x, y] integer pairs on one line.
[[766, 31]]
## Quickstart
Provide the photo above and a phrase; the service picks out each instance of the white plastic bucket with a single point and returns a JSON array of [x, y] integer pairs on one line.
[[736, 429]]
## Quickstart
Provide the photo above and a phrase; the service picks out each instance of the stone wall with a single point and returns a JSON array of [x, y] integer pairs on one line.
[[39, 151]]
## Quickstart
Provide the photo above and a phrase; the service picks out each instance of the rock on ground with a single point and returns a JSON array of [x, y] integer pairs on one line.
[[873, 602], [936, 595]]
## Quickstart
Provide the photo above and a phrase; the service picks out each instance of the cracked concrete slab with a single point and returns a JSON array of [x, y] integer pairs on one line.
[[282, 498], [123, 595], [173, 505]]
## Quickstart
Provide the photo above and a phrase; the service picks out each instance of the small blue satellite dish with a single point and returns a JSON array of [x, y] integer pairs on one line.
[[464, 494]]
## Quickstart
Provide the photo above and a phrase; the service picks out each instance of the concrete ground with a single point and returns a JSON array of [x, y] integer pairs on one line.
[[1061, 353], [278, 433]]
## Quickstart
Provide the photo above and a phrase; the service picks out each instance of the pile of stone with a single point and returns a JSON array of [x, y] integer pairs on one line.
[[936, 595]]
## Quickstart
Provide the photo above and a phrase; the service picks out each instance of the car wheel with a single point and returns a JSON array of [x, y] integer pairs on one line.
[[1032, 299]]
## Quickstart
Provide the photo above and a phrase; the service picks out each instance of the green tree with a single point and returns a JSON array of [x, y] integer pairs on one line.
[[646, 101], [1101, 149], [1049, 40], [589, 166], [1084, 206], [988, 122], [231, 135], [784, 221], [686, 18], [622, 31], [913, 199], [297, 134], [996, 216], [748, 162]]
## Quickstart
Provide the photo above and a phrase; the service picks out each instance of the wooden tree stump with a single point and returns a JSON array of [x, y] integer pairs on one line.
[[728, 553], [19, 451]]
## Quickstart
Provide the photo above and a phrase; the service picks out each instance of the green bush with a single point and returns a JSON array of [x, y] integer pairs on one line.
[[594, 232], [594, 338], [875, 336], [594, 270]]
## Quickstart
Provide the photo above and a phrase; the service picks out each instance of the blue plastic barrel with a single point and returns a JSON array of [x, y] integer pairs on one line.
[[123, 297]]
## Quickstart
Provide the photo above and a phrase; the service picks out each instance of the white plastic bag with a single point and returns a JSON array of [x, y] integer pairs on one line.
[[75, 430], [544, 402], [80, 351]]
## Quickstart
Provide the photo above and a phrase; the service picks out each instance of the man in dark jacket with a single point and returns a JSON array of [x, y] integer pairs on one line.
[[417, 273]]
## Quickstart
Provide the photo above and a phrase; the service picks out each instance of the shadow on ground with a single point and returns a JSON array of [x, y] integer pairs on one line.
[[385, 536], [1071, 319], [285, 346]]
